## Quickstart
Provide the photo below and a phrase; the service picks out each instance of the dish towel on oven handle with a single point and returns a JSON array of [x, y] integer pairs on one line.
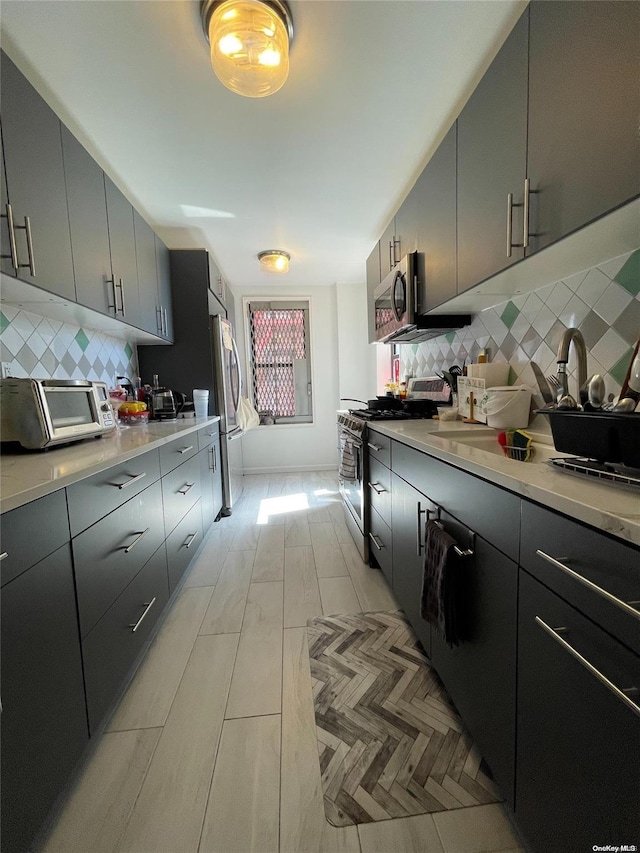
[[347, 462], [439, 602]]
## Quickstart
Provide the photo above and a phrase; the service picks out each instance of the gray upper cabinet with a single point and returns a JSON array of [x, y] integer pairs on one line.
[[89, 230], [373, 280], [150, 317], [435, 203], [406, 226], [35, 186], [163, 266], [124, 267], [389, 250], [583, 158], [492, 159]]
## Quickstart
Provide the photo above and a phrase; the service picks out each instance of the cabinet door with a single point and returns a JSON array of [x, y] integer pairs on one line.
[[6, 264], [373, 280], [492, 151], [206, 488], [35, 183], [408, 511], [435, 199], [583, 113], [147, 274], [406, 226], [163, 266], [577, 774], [122, 242], [89, 227], [480, 673], [44, 724], [182, 544], [389, 255]]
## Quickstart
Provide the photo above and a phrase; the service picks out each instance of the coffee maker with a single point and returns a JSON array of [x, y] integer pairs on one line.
[[166, 404]]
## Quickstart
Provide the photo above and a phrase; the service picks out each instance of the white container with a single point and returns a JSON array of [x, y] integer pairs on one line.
[[507, 406], [201, 402], [493, 374]]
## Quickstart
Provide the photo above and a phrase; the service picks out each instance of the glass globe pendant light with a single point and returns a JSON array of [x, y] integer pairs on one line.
[[249, 42]]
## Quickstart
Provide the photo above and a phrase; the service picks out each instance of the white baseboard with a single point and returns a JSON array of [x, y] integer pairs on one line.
[[292, 469]]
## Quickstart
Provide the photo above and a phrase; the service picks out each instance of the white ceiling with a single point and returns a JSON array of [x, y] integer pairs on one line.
[[316, 169]]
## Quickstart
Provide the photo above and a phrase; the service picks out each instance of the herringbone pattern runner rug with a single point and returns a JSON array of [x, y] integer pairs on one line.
[[391, 744]]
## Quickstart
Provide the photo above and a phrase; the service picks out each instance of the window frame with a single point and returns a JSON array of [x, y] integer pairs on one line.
[[290, 301]]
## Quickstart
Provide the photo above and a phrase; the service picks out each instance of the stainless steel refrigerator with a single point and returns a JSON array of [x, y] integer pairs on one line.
[[227, 394]]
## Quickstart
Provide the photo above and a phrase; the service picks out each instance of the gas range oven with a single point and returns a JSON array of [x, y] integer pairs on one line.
[[353, 467]]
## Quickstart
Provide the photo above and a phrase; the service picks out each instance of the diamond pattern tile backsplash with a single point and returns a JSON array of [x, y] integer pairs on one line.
[[42, 348], [603, 302]]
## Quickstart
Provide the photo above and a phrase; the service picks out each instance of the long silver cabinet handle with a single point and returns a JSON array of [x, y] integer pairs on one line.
[[510, 244], [134, 479], [590, 667], [421, 512], [188, 544], [4, 556], [166, 322], [375, 447], [159, 320], [12, 237], [375, 539], [147, 607], [186, 488], [590, 585], [186, 449], [214, 459], [32, 260], [121, 289], [138, 538], [377, 488], [112, 282], [525, 215]]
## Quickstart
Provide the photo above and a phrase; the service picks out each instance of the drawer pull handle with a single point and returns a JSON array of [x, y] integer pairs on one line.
[[134, 479], [214, 460], [377, 488], [191, 537], [623, 605], [375, 447], [138, 538], [186, 488], [186, 449], [147, 607], [621, 694], [376, 541], [4, 556]]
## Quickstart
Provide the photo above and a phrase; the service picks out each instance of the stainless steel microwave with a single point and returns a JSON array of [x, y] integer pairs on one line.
[[40, 413], [394, 300]]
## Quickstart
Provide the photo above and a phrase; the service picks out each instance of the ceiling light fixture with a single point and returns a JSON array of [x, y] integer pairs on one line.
[[274, 260], [249, 42]]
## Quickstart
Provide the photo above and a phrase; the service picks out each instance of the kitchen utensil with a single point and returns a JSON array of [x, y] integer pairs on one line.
[[626, 404], [163, 404], [634, 367], [543, 385], [567, 402], [556, 386], [596, 391]]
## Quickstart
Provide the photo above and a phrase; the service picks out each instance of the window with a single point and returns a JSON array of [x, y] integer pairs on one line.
[[280, 359]]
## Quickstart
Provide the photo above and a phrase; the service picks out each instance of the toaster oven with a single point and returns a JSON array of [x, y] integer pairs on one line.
[[41, 413]]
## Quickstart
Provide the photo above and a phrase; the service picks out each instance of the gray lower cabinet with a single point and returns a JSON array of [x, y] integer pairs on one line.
[[211, 483], [182, 544], [381, 544], [112, 646], [44, 724], [181, 489], [176, 452], [109, 554], [577, 781]]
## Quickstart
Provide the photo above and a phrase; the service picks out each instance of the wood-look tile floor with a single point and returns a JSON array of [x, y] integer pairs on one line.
[[213, 747]]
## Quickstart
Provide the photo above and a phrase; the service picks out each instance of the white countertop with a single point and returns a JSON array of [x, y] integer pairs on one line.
[[611, 508], [24, 477]]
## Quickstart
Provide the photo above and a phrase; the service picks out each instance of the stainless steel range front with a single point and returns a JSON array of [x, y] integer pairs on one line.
[[351, 436]]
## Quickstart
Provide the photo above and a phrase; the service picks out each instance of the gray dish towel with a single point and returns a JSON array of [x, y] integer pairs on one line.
[[347, 463], [438, 605]]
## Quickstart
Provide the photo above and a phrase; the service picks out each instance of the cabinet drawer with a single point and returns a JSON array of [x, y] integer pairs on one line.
[[379, 489], [207, 435], [93, 498], [31, 532], [111, 648], [577, 769], [491, 512], [111, 553], [183, 543], [180, 490], [380, 545], [177, 452], [588, 556], [379, 447]]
